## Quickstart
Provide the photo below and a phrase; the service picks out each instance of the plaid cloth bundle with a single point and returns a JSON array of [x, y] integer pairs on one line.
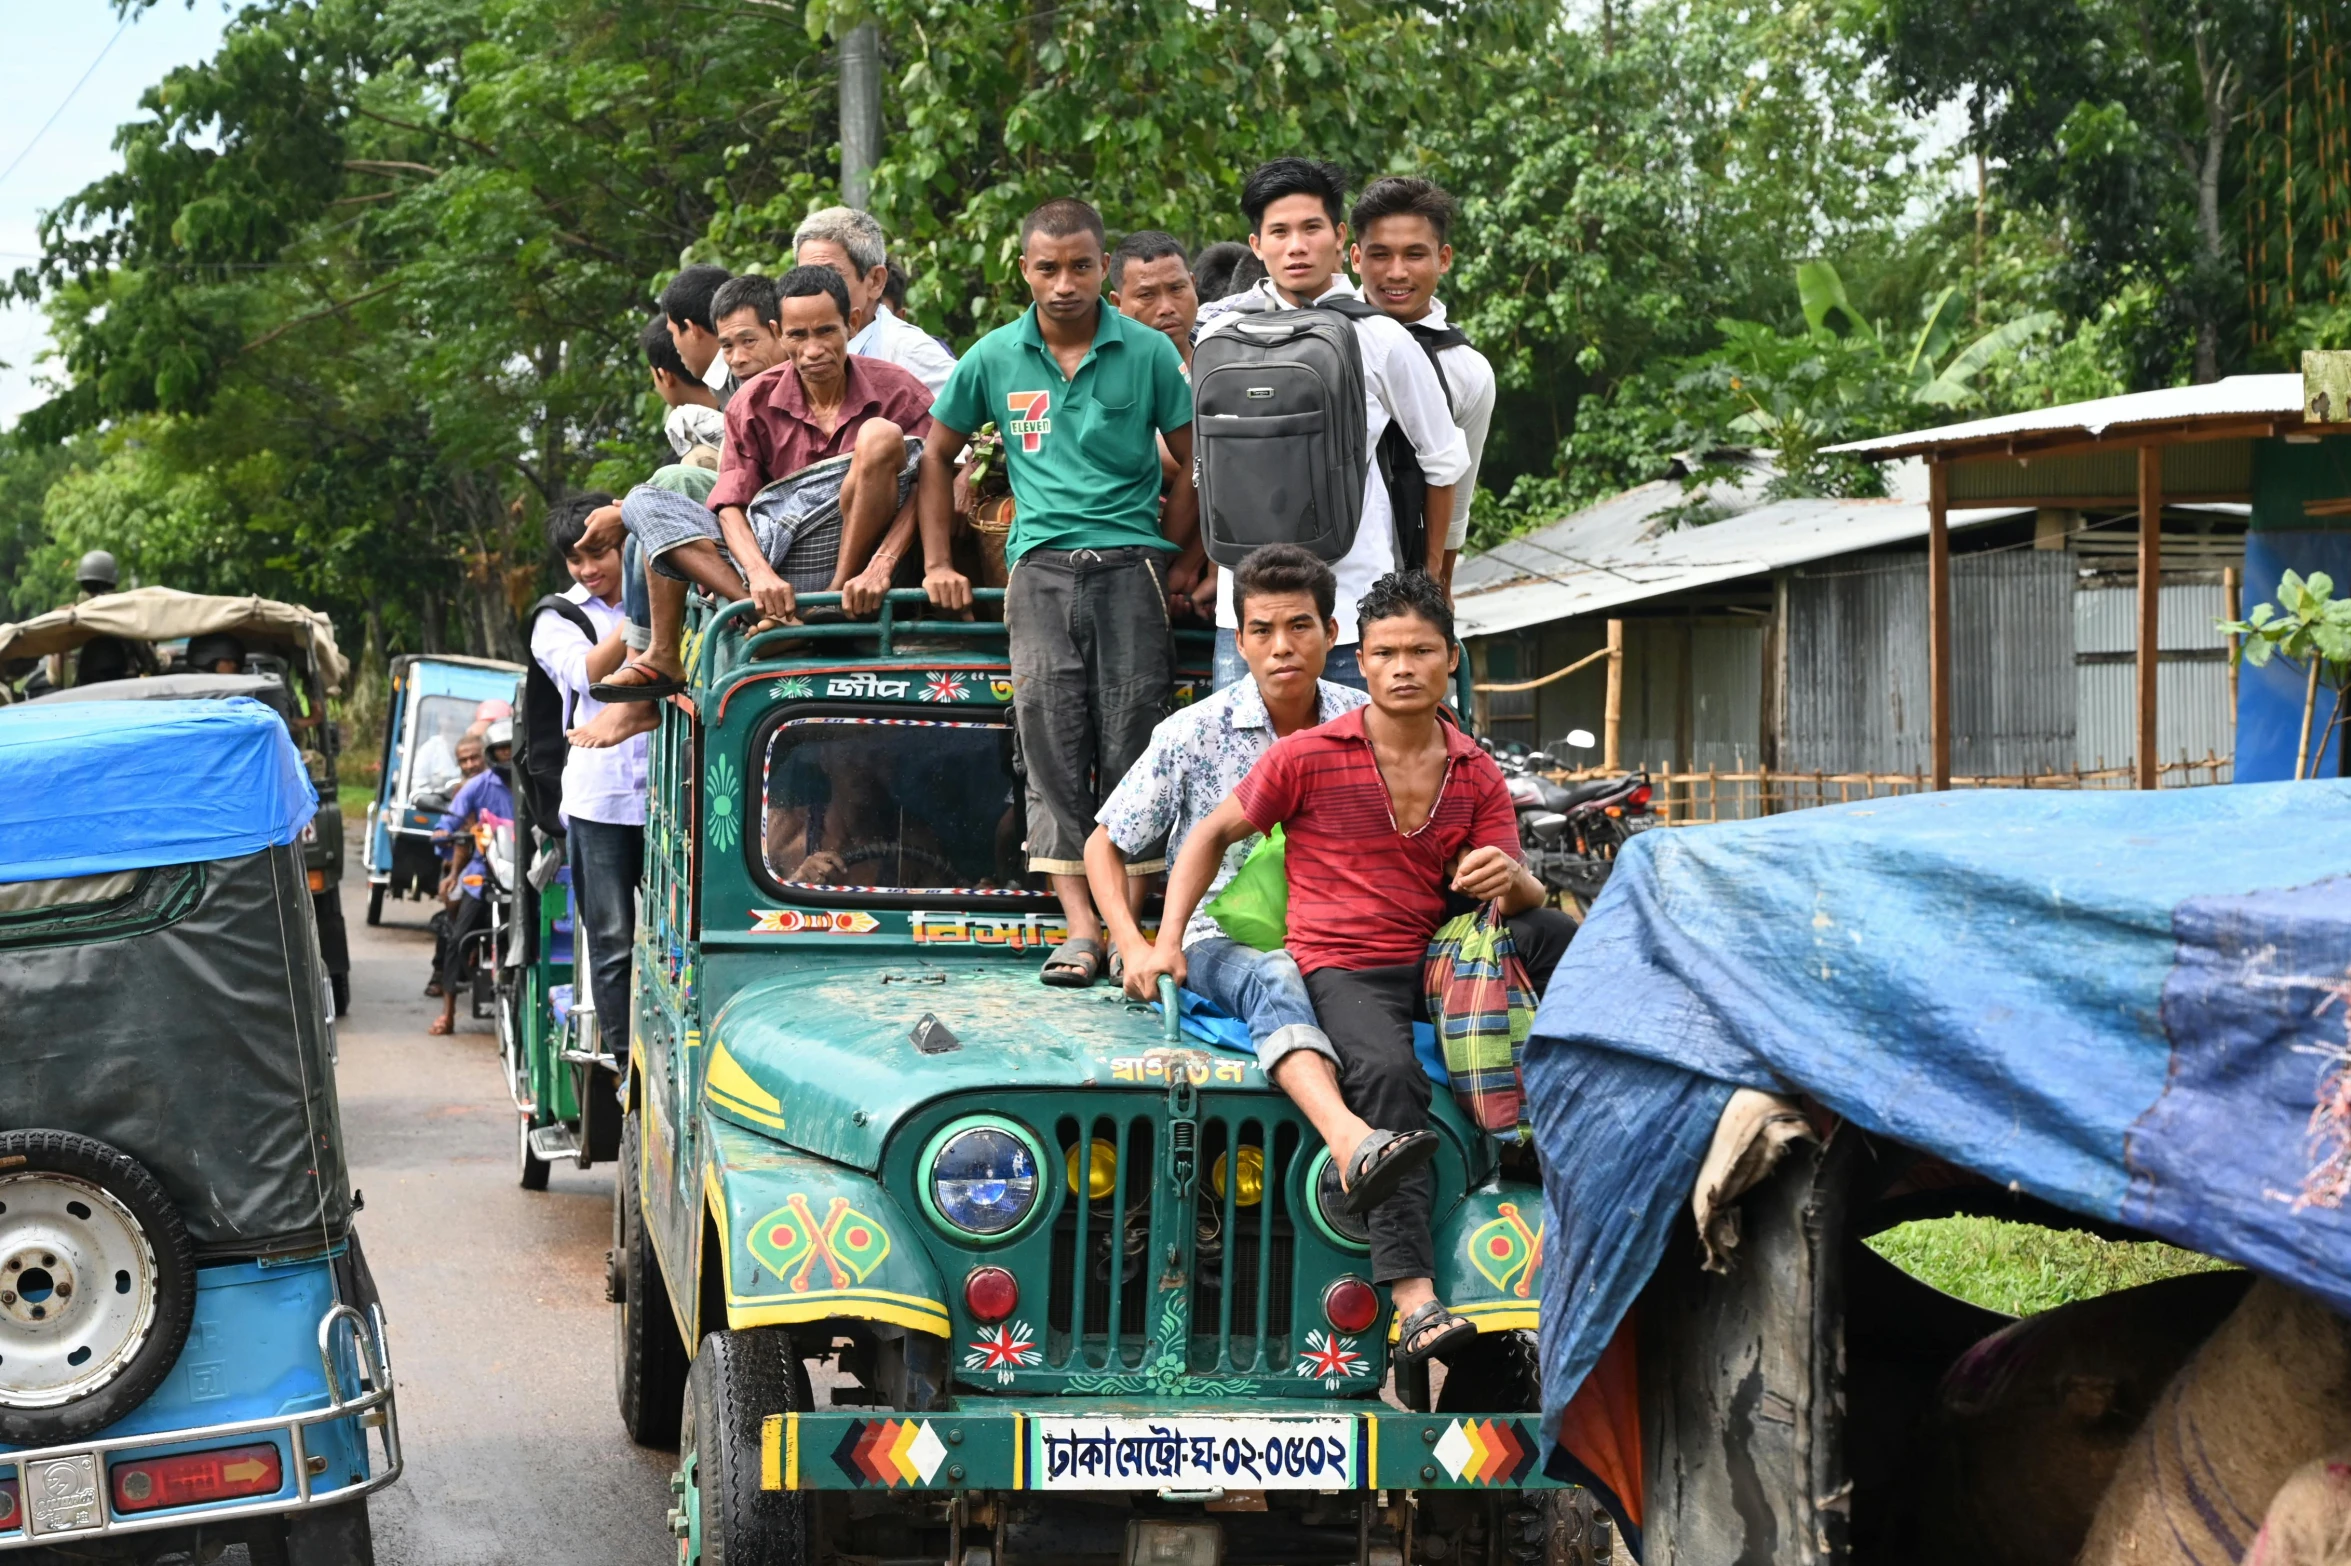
[[1483, 1007]]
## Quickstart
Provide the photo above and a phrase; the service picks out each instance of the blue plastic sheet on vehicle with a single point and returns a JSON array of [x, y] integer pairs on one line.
[[92, 787], [2133, 1005]]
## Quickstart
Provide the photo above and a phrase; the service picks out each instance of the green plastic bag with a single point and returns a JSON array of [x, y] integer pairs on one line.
[[1254, 907]]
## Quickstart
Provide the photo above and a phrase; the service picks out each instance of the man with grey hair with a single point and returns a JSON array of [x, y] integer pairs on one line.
[[850, 242]]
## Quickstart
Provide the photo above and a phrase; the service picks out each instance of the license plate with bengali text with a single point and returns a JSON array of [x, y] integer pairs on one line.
[[1179, 1453]]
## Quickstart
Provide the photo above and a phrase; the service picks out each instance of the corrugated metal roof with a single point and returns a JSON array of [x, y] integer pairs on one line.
[[1613, 553], [2238, 397]]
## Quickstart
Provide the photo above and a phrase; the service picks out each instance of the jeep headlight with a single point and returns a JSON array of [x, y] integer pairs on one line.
[[983, 1179]]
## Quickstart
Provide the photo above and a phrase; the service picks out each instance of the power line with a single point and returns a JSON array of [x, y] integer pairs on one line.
[[18, 161]]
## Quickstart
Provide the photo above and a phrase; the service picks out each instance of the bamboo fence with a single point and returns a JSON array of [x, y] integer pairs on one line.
[[1702, 798]]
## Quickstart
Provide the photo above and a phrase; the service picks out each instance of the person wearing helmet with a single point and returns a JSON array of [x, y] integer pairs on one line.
[[105, 657], [95, 573], [216, 652], [487, 799]]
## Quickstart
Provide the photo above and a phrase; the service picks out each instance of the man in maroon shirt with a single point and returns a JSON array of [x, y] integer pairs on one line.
[[815, 493], [1384, 810]]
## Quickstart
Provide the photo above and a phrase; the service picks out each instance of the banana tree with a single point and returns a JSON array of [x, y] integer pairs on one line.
[[1932, 373], [2309, 629]]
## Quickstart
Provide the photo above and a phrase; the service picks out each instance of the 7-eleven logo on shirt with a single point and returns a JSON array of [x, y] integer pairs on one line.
[[1028, 418]]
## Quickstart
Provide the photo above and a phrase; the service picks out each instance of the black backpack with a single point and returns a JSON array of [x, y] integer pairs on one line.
[[1277, 430], [1400, 469], [540, 720]]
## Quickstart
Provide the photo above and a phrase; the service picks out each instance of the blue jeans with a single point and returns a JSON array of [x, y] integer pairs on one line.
[[1265, 990], [607, 860], [1340, 668]]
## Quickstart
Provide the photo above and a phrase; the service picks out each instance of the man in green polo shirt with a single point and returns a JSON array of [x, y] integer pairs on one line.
[[1083, 396]]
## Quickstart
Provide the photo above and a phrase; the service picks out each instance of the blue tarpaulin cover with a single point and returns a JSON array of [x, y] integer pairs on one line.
[[92, 787], [2134, 1005]]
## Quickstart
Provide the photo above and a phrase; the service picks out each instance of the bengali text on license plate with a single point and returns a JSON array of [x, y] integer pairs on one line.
[[1193, 1454]]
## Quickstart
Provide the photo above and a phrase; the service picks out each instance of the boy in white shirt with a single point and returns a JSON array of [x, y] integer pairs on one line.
[[1402, 225], [603, 789]]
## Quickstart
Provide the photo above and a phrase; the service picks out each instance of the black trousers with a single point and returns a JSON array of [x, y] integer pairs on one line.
[[1369, 1013], [450, 928]]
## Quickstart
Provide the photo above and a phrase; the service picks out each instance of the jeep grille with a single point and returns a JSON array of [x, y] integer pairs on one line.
[[1241, 1256]]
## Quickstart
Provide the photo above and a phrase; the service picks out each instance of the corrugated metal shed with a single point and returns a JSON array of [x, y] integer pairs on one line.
[[1620, 551], [2192, 714], [2238, 397], [1857, 665]]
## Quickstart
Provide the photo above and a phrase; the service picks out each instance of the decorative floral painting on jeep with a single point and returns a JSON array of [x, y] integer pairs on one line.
[[790, 1242], [1007, 1348], [1329, 1357], [792, 687], [945, 686], [724, 810], [1507, 1251]]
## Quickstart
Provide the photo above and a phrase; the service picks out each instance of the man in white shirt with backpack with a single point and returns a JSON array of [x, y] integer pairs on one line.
[[1295, 208], [1402, 227]]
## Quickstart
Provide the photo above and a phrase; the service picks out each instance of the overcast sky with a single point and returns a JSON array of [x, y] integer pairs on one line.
[[50, 45]]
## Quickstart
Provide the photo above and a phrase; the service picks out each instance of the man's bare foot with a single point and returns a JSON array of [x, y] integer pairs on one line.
[[616, 725], [442, 1025]]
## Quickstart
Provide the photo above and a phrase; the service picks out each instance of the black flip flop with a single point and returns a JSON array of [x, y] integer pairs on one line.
[[1063, 969], [1379, 1164], [651, 690], [1419, 1322]]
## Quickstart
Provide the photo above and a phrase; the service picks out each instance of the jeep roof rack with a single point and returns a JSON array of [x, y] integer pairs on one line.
[[883, 633]]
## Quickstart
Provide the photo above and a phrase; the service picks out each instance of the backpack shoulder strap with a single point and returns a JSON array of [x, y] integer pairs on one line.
[[1348, 305], [1434, 340], [563, 606]]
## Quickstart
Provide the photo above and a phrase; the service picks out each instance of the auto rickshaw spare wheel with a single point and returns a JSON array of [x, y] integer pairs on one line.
[[97, 1285]]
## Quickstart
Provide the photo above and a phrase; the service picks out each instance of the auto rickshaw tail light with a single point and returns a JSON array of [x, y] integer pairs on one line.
[[10, 1522], [318, 880], [189, 1478]]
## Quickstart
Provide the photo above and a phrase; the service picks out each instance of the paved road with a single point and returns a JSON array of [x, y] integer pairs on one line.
[[501, 1340]]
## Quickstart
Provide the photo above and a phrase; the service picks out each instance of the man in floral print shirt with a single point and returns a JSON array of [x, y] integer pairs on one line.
[[1284, 597]]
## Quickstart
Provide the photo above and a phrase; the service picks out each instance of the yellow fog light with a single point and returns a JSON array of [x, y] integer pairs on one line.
[[1101, 1169], [1252, 1177]]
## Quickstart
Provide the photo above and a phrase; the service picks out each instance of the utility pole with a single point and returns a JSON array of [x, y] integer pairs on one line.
[[861, 110]]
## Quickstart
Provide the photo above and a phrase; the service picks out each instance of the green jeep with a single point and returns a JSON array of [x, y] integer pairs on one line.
[[1068, 1289]]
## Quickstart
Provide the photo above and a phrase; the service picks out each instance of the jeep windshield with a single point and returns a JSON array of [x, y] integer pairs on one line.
[[856, 806]]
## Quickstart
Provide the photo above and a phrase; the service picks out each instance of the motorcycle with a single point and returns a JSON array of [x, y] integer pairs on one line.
[[1571, 832]]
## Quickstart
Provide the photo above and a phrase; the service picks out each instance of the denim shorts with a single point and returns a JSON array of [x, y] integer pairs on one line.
[[1265, 990], [797, 520]]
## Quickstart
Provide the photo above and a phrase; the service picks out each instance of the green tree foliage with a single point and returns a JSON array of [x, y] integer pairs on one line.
[[1626, 186], [365, 292], [2121, 120]]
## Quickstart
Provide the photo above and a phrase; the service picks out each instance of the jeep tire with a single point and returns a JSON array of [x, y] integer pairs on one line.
[[648, 1356], [97, 1286], [739, 1378]]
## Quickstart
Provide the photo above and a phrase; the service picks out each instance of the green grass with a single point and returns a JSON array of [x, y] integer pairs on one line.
[[356, 798], [2020, 1268]]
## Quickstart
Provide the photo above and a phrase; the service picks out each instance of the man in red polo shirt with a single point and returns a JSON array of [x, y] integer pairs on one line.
[[815, 488], [1385, 811]]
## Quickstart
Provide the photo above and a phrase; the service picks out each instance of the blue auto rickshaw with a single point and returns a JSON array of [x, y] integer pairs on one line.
[[435, 699], [192, 1352]]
